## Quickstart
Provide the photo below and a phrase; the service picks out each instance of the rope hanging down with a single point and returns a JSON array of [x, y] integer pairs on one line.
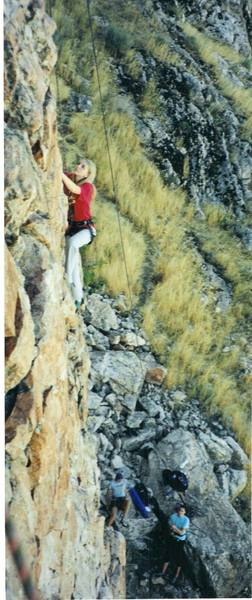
[[108, 148], [19, 561]]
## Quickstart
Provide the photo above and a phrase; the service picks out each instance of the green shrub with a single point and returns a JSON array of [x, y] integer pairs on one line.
[[117, 41]]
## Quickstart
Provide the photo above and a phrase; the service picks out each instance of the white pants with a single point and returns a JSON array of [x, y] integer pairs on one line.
[[73, 263]]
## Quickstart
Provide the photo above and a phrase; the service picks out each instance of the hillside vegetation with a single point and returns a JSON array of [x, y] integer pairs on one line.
[[168, 236]]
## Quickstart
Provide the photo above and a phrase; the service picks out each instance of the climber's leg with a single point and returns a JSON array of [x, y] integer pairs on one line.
[[73, 265], [112, 517]]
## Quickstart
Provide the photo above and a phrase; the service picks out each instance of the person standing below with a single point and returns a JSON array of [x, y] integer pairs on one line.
[[179, 525], [79, 188], [117, 497]]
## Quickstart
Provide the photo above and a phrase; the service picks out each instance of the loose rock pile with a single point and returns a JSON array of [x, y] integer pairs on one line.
[[141, 428]]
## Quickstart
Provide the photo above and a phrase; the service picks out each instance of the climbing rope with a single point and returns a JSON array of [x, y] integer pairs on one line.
[[108, 148], [19, 561], [114, 195], [55, 70]]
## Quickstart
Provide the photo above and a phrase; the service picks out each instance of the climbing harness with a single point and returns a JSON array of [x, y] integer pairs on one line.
[[76, 226], [19, 561]]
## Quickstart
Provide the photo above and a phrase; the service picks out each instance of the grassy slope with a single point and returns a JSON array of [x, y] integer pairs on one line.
[[187, 332]]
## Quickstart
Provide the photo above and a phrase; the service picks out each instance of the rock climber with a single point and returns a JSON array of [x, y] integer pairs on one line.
[[179, 525], [79, 188], [118, 499]]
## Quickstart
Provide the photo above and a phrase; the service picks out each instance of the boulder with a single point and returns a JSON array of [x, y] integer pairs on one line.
[[238, 459], [179, 396], [237, 482], [217, 448], [180, 447], [150, 406], [100, 314], [156, 375], [232, 482], [123, 371], [132, 339], [133, 421], [136, 442], [94, 401], [218, 547], [96, 339], [129, 402], [117, 462], [94, 423]]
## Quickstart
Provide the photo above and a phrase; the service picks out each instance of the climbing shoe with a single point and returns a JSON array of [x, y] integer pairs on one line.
[[124, 523]]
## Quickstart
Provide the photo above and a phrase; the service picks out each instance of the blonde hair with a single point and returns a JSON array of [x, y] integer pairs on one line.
[[91, 170]]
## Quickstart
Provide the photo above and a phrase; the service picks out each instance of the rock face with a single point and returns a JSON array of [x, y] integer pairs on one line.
[[52, 478], [199, 132]]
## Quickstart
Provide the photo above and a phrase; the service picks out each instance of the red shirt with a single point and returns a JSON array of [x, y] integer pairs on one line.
[[81, 207], [82, 203]]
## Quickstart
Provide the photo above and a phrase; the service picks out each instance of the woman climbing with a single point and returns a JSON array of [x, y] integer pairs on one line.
[[79, 188]]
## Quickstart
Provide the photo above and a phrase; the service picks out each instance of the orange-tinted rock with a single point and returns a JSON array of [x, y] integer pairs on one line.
[[155, 375], [52, 478]]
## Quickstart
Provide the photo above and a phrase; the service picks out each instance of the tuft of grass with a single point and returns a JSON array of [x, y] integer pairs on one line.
[[210, 48], [150, 101], [210, 52], [215, 214], [133, 64], [160, 49]]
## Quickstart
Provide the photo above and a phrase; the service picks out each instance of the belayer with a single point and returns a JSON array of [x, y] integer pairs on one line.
[[79, 188], [178, 524]]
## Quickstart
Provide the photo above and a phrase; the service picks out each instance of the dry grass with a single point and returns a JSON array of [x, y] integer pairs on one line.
[[60, 90], [150, 101], [161, 50], [215, 214], [133, 64], [241, 96], [107, 251], [210, 48], [210, 51]]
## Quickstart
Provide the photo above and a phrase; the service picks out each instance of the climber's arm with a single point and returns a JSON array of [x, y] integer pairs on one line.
[[71, 186]]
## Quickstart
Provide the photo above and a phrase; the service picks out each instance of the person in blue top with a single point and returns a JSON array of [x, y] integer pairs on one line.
[[179, 525], [117, 497]]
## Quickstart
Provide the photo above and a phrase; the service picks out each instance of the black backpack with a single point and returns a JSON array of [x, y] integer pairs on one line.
[[177, 480], [142, 491]]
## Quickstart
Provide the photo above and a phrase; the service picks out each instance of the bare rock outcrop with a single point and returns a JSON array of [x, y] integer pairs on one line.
[[52, 478], [218, 548]]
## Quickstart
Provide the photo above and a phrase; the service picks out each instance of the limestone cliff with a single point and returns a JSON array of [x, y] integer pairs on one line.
[[52, 478]]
